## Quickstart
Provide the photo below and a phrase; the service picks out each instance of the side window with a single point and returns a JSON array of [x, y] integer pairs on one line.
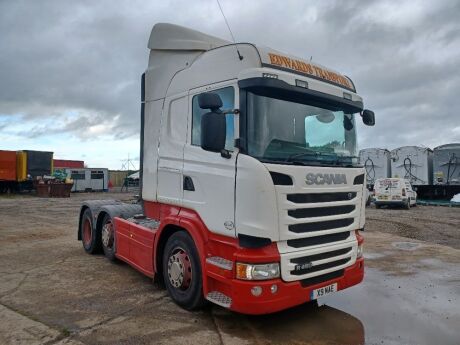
[[227, 95], [77, 175]]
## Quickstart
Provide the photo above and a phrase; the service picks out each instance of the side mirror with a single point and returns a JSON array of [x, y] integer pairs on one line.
[[209, 100], [368, 117], [213, 131]]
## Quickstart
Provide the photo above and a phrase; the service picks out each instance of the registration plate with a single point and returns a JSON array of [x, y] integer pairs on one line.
[[325, 290]]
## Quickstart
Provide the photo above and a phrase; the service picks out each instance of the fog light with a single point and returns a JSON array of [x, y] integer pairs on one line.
[[256, 290], [273, 288]]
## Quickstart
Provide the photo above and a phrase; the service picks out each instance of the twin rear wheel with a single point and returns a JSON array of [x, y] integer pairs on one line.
[[180, 261]]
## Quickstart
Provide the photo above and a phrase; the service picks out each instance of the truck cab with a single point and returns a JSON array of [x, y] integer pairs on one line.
[[252, 196]]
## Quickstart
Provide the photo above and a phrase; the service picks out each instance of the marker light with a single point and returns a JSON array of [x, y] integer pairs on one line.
[[270, 75], [360, 251], [347, 96], [257, 272], [301, 83]]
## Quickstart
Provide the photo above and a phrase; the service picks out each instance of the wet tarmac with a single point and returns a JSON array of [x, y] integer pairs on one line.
[[384, 309]]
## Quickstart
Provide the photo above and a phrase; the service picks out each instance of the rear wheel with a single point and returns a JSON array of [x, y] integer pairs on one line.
[[182, 271], [108, 237], [377, 206], [91, 242]]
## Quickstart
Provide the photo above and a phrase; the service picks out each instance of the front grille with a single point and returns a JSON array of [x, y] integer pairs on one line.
[[321, 267], [321, 211], [312, 241], [321, 256], [322, 278], [319, 226], [320, 197]]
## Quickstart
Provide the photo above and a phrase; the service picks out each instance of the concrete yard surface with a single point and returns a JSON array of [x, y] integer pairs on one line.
[[52, 292]]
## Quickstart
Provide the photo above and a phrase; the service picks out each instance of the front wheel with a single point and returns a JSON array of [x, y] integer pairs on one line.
[[182, 271]]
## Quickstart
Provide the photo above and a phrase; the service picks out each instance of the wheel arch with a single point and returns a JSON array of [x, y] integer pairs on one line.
[[193, 227]]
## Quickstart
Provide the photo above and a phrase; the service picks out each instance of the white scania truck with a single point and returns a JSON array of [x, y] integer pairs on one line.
[[251, 192]]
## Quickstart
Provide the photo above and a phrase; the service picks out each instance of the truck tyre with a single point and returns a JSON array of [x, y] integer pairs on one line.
[[89, 238], [182, 271], [377, 206], [108, 237]]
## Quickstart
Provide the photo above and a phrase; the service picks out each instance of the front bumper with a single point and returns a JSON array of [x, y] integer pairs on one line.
[[288, 294], [401, 202]]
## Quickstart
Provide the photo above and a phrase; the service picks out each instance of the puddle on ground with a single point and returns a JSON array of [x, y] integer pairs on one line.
[[373, 256], [420, 309], [406, 245]]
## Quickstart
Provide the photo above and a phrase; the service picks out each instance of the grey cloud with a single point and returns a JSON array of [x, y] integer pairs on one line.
[[88, 56]]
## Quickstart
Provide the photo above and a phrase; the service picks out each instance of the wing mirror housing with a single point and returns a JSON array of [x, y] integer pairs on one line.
[[210, 100], [213, 123], [368, 117]]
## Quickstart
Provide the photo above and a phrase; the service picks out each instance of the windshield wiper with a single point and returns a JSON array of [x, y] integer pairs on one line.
[[302, 154]]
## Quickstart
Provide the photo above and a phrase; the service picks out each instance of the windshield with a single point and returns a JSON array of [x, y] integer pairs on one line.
[[288, 132]]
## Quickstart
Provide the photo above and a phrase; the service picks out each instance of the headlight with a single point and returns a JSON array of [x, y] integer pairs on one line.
[[360, 251], [257, 272]]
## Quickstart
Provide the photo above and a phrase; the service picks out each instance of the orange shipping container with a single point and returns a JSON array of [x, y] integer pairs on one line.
[[7, 165]]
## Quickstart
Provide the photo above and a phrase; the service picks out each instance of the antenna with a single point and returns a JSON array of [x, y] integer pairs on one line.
[[231, 33]]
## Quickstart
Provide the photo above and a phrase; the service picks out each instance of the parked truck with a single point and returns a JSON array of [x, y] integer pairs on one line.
[[251, 192]]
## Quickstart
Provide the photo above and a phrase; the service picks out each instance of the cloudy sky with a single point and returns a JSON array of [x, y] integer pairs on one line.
[[70, 70]]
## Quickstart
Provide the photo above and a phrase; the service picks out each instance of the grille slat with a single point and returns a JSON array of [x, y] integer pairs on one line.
[[321, 256], [321, 211], [320, 226], [320, 197], [321, 267], [322, 278], [311, 241]]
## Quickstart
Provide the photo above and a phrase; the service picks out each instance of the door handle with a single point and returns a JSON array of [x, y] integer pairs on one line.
[[188, 184]]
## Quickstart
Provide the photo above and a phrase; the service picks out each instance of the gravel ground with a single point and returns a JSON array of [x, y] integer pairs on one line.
[[435, 224]]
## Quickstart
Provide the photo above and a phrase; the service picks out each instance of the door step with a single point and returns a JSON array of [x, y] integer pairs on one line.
[[220, 262], [219, 298]]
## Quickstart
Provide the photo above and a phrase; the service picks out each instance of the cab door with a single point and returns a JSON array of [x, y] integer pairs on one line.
[[209, 178]]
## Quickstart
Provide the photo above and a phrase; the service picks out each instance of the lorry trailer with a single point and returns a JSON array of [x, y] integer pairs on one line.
[[251, 193]]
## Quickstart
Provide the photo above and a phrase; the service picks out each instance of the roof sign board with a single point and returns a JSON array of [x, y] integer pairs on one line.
[[280, 61]]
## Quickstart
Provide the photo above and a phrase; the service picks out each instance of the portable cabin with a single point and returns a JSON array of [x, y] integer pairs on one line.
[[89, 179]]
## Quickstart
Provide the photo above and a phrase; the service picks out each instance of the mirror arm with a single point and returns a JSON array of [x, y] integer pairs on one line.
[[225, 154], [231, 111]]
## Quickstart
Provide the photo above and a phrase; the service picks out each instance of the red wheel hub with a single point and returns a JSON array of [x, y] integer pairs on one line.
[[179, 269]]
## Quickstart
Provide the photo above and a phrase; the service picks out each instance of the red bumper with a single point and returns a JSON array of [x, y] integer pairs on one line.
[[288, 294]]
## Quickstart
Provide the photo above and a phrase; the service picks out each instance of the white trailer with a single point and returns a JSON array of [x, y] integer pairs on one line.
[[89, 179], [376, 161], [413, 163]]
